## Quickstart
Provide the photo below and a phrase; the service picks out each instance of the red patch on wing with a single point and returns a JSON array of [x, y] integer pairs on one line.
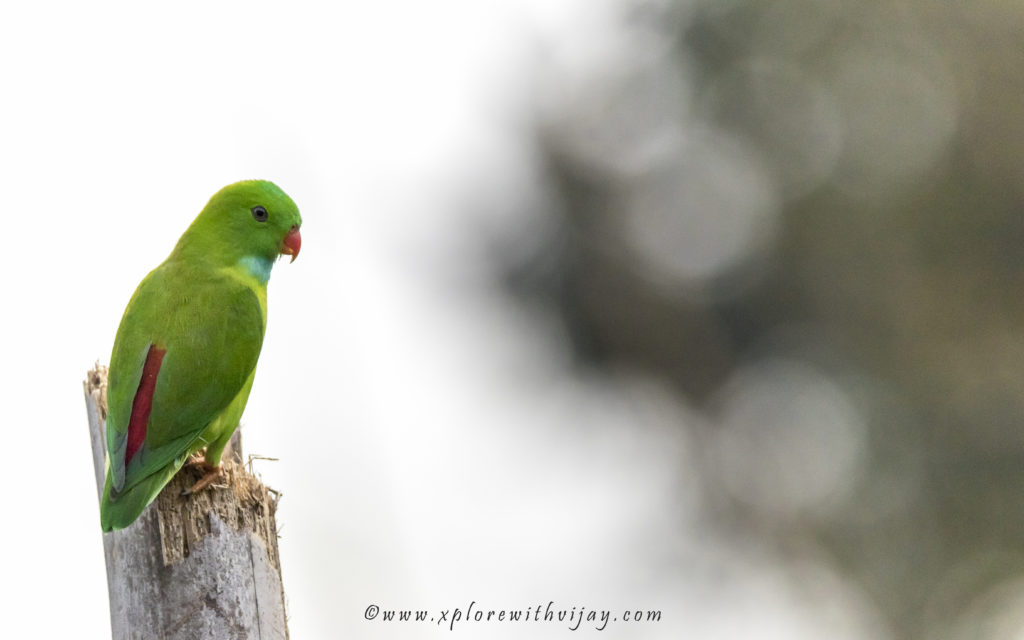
[[143, 402]]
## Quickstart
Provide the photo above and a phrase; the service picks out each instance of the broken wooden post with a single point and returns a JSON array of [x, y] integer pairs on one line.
[[193, 567]]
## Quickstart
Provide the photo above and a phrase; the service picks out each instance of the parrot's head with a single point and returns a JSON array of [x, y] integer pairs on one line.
[[252, 222]]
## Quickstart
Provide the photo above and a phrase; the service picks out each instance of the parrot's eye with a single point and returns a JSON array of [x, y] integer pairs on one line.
[[259, 213]]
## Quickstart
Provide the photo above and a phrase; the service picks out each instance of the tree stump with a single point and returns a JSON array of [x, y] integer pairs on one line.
[[192, 567]]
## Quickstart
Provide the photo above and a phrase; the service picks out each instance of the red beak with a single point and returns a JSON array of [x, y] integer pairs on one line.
[[292, 243]]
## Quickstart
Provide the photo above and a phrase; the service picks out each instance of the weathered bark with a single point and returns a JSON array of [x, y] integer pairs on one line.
[[194, 567]]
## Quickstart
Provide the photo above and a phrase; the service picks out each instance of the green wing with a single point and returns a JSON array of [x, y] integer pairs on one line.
[[211, 327]]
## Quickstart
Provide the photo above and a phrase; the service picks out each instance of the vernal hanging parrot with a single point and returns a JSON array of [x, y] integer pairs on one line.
[[185, 353]]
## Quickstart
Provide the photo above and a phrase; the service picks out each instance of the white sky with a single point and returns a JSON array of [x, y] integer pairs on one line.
[[433, 452]]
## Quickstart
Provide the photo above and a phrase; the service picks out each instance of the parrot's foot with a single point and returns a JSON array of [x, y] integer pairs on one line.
[[212, 475]]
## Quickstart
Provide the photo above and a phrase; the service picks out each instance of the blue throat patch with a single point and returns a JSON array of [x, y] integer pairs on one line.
[[257, 267]]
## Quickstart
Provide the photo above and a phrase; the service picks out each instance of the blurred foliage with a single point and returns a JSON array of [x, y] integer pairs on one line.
[[805, 215]]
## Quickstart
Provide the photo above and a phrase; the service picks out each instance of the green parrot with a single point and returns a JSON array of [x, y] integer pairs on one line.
[[185, 353]]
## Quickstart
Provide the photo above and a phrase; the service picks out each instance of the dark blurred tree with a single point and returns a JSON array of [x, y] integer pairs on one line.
[[890, 138]]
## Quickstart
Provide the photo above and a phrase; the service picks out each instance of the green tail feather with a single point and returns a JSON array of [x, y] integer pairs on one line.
[[119, 511]]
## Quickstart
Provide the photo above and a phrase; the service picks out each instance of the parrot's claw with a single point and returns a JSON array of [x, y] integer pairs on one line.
[[212, 474]]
